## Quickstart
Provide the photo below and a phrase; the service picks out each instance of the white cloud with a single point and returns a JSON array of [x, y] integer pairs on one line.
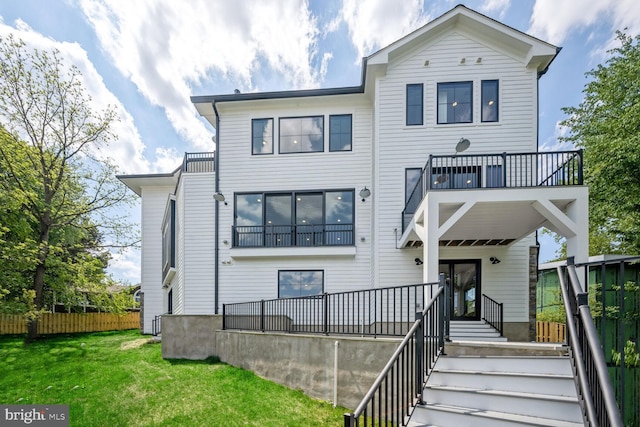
[[167, 47], [553, 20], [498, 7], [127, 151], [373, 24], [125, 265]]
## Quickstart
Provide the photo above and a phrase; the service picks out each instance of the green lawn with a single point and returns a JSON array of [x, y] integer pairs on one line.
[[120, 379]]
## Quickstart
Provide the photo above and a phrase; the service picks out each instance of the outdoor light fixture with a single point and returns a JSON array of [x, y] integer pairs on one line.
[[462, 145], [219, 197], [418, 261], [364, 193], [494, 260]]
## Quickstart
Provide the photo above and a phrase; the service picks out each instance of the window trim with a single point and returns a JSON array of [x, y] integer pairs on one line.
[[482, 82], [253, 152], [280, 119], [350, 132], [471, 102], [407, 106], [301, 271]]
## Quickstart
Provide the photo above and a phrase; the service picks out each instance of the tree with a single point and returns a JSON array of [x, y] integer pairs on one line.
[[63, 192], [606, 125]]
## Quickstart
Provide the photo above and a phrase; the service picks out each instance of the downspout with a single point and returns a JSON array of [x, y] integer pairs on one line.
[[216, 251]]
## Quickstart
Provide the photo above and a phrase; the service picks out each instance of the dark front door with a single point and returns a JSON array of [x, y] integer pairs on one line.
[[463, 279]]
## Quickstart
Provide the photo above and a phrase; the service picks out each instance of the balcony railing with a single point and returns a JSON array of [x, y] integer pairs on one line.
[[515, 170], [270, 236], [199, 162]]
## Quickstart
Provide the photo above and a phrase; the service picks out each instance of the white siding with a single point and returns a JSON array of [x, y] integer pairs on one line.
[[153, 204], [399, 146], [255, 278], [198, 231]]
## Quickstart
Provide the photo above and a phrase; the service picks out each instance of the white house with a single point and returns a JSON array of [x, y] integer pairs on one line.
[[430, 165]]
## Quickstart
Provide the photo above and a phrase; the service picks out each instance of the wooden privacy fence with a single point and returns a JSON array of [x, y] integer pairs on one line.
[[60, 323], [551, 332]]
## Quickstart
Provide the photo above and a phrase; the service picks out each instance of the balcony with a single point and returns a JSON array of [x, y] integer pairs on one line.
[[494, 171], [198, 162], [307, 235]]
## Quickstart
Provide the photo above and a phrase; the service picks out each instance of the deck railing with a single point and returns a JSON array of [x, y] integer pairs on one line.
[[592, 376], [504, 170], [156, 325], [400, 386], [493, 313], [382, 311], [300, 235], [199, 162]]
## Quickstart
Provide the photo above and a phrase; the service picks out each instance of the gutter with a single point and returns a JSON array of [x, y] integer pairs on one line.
[[217, 210]]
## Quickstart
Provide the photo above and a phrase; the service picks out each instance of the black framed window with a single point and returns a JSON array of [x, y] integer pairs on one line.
[[169, 238], [340, 132], [456, 177], [415, 107], [302, 134], [300, 283], [170, 302], [304, 218], [489, 97], [262, 136], [455, 102]]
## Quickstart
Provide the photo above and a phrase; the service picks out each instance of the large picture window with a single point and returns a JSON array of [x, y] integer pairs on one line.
[[262, 136], [295, 283], [302, 134], [340, 132], [169, 238], [455, 102], [304, 218], [489, 100], [415, 107]]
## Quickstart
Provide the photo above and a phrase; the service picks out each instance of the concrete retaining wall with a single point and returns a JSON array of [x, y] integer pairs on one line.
[[304, 362]]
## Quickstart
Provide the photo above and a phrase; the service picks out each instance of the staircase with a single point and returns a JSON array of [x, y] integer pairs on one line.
[[512, 384], [478, 330]]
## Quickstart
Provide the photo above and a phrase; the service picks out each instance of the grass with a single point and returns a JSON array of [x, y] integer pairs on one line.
[[120, 379]]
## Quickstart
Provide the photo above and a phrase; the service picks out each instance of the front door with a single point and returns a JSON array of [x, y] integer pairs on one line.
[[463, 279]]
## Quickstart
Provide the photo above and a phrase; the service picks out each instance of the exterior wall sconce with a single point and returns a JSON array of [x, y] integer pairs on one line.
[[418, 261], [364, 193], [494, 260], [219, 197]]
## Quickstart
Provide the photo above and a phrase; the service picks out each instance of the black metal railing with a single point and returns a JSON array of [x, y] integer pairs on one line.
[[382, 311], [156, 325], [504, 170], [199, 162], [400, 386], [493, 313], [592, 377], [270, 236]]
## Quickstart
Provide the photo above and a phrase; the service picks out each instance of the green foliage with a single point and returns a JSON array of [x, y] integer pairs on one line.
[[121, 379], [631, 355], [557, 315], [606, 125], [58, 192]]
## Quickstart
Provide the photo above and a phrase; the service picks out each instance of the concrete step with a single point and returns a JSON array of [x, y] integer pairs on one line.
[[555, 365], [477, 330]]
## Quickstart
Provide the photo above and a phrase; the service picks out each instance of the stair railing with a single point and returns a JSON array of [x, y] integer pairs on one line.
[[593, 382], [400, 386], [493, 313]]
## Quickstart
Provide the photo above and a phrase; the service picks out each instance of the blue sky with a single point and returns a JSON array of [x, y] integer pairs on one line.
[[147, 57]]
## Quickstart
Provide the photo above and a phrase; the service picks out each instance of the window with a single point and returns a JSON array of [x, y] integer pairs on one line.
[[455, 102], [340, 132], [455, 177], [414, 104], [300, 283], [262, 136], [170, 302], [318, 218], [302, 134], [490, 100], [169, 238], [494, 176]]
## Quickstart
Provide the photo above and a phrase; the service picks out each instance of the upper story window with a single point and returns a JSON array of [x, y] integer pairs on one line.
[[455, 102], [169, 238], [300, 283], [302, 134], [489, 97], [340, 132], [262, 136], [414, 107], [304, 218]]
